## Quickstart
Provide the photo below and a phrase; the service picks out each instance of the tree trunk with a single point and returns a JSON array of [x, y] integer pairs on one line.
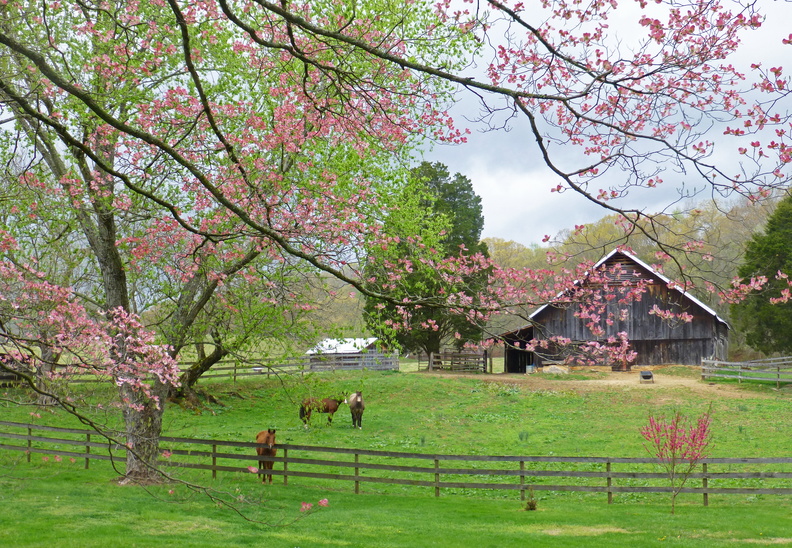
[[189, 377], [143, 423], [43, 376]]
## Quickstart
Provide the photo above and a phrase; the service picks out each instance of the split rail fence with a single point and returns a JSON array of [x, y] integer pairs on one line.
[[455, 361], [778, 370], [523, 474], [234, 369], [373, 361]]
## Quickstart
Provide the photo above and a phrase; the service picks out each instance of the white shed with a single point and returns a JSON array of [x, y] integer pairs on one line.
[[344, 346]]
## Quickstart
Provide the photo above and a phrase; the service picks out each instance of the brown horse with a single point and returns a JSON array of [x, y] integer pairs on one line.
[[327, 405], [357, 406], [267, 440]]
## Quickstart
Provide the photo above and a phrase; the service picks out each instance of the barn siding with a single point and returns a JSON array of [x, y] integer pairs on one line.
[[656, 341]]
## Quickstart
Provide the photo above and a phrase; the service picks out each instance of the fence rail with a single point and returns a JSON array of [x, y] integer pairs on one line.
[[455, 361], [234, 369], [610, 476], [778, 370], [373, 361]]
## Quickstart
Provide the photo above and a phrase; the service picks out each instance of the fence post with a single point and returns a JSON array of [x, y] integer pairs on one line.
[[214, 454], [522, 480], [610, 482], [285, 466], [357, 472], [87, 450], [30, 442], [437, 477], [705, 483], [235, 372]]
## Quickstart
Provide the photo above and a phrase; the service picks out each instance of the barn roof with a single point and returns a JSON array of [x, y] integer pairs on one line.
[[646, 267], [343, 346]]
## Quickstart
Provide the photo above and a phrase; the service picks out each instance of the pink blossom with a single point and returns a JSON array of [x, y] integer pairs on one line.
[[305, 506], [324, 502]]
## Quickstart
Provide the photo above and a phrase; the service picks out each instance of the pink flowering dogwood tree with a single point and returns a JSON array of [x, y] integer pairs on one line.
[[191, 145], [169, 160]]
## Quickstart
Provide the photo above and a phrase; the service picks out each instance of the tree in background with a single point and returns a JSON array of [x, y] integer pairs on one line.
[[452, 223], [765, 315], [715, 231]]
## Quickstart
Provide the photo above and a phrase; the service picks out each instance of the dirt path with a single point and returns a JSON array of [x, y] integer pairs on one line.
[[631, 381]]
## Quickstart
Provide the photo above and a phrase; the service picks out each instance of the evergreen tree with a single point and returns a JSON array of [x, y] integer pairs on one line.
[[767, 326], [451, 218]]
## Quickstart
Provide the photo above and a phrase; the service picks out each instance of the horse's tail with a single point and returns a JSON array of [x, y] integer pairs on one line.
[[302, 413]]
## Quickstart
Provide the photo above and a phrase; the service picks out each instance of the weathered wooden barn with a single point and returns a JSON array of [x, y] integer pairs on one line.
[[655, 340]]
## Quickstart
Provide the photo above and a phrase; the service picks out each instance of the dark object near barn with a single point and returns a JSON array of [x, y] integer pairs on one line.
[[646, 376]]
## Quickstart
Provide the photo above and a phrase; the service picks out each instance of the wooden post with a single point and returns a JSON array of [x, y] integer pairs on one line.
[[522, 480], [285, 467], [214, 453], [235, 372], [437, 478], [610, 482], [357, 472], [705, 483], [778, 377], [87, 449], [30, 442]]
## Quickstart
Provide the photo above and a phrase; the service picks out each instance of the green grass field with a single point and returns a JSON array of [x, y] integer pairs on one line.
[[48, 503]]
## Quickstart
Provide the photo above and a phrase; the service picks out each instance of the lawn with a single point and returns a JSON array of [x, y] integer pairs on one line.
[[47, 502]]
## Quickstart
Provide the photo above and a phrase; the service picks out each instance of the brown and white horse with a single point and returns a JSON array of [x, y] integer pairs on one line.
[[356, 406], [267, 449], [327, 405]]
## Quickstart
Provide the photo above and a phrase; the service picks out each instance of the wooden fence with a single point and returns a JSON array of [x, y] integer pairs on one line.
[[233, 369], [523, 474], [778, 370], [373, 361], [455, 361]]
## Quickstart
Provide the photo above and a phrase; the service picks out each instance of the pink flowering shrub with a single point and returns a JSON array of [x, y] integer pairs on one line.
[[678, 447]]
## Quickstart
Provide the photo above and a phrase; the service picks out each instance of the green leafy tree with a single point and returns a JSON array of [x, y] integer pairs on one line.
[[195, 165], [765, 322], [446, 212]]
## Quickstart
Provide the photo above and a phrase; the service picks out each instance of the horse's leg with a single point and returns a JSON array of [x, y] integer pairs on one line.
[[329, 419]]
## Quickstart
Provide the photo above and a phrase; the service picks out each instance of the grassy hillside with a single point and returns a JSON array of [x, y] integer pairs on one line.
[[583, 414]]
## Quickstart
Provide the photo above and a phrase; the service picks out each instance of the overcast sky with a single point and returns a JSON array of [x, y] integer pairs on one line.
[[509, 176]]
